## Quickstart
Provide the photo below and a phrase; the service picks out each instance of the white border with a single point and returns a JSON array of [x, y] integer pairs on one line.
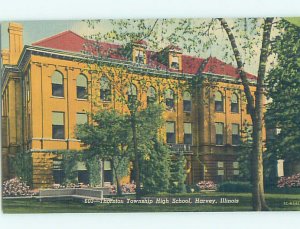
[[58, 9]]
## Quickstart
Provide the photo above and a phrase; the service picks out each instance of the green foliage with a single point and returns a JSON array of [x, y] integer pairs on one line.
[[69, 160], [178, 174], [110, 138], [244, 154], [94, 168], [234, 186], [22, 165], [107, 138], [270, 169], [122, 169], [244, 159], [284, 89], [148, 122], [155, 170]]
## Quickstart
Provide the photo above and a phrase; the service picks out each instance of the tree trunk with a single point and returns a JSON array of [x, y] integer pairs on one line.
[[119, 189], [256, 111], [259, 202], [136, 157]]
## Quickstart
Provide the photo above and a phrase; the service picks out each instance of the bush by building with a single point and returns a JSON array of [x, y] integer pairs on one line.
[[234, 186], [289, 182], [16, 187]]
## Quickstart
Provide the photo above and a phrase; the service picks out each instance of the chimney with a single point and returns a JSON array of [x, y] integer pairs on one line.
[[15, 31]]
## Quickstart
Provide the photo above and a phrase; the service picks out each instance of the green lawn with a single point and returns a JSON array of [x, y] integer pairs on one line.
[[277, 202]]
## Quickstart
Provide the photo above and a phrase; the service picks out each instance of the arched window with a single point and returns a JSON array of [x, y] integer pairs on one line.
[[57, 84], [105, 89], [219, 102], [169, 98], [151, 95], [132, 93], [234, 103], [187, 102], [81, 85]]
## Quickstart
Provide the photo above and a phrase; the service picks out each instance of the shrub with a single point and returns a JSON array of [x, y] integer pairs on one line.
[[207, 185], [235, 186], [289, 182], [193, 188], [16, 187], [126, 188], [178, 174]]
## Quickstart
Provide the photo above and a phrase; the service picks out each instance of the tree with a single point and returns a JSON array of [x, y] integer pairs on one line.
[[178, 174], [107, 137], [155, 168], [284, 92], [256, 106], [123, 83], [241, 46]]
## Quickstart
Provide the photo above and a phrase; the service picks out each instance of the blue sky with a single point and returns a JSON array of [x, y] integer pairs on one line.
[[37, 30]]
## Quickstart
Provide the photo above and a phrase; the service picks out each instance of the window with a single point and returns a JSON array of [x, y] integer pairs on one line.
[[81, 118], [58, 128], [108, 176], [139, 56], [83, 176], [151, 95], [175, 62], [236, 172], [105, 89], [57, 84], [219, 133], [170, 130], [169, 98], [234, 103], [132, 93], [82, 172], [220, 172], [58, 172], [235, 165], [220, 165], [81, 85], [219, 105], [187, 102], [235, 134], [188, 138]]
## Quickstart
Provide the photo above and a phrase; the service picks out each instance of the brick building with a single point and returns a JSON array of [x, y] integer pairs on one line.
[[48, 88]]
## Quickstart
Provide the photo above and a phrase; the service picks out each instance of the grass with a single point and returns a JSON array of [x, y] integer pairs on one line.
[[277, 202]]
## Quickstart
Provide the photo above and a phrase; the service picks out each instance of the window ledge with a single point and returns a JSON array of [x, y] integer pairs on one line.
[[57, 97], [81, 99], [105, 101], [59, 139]]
